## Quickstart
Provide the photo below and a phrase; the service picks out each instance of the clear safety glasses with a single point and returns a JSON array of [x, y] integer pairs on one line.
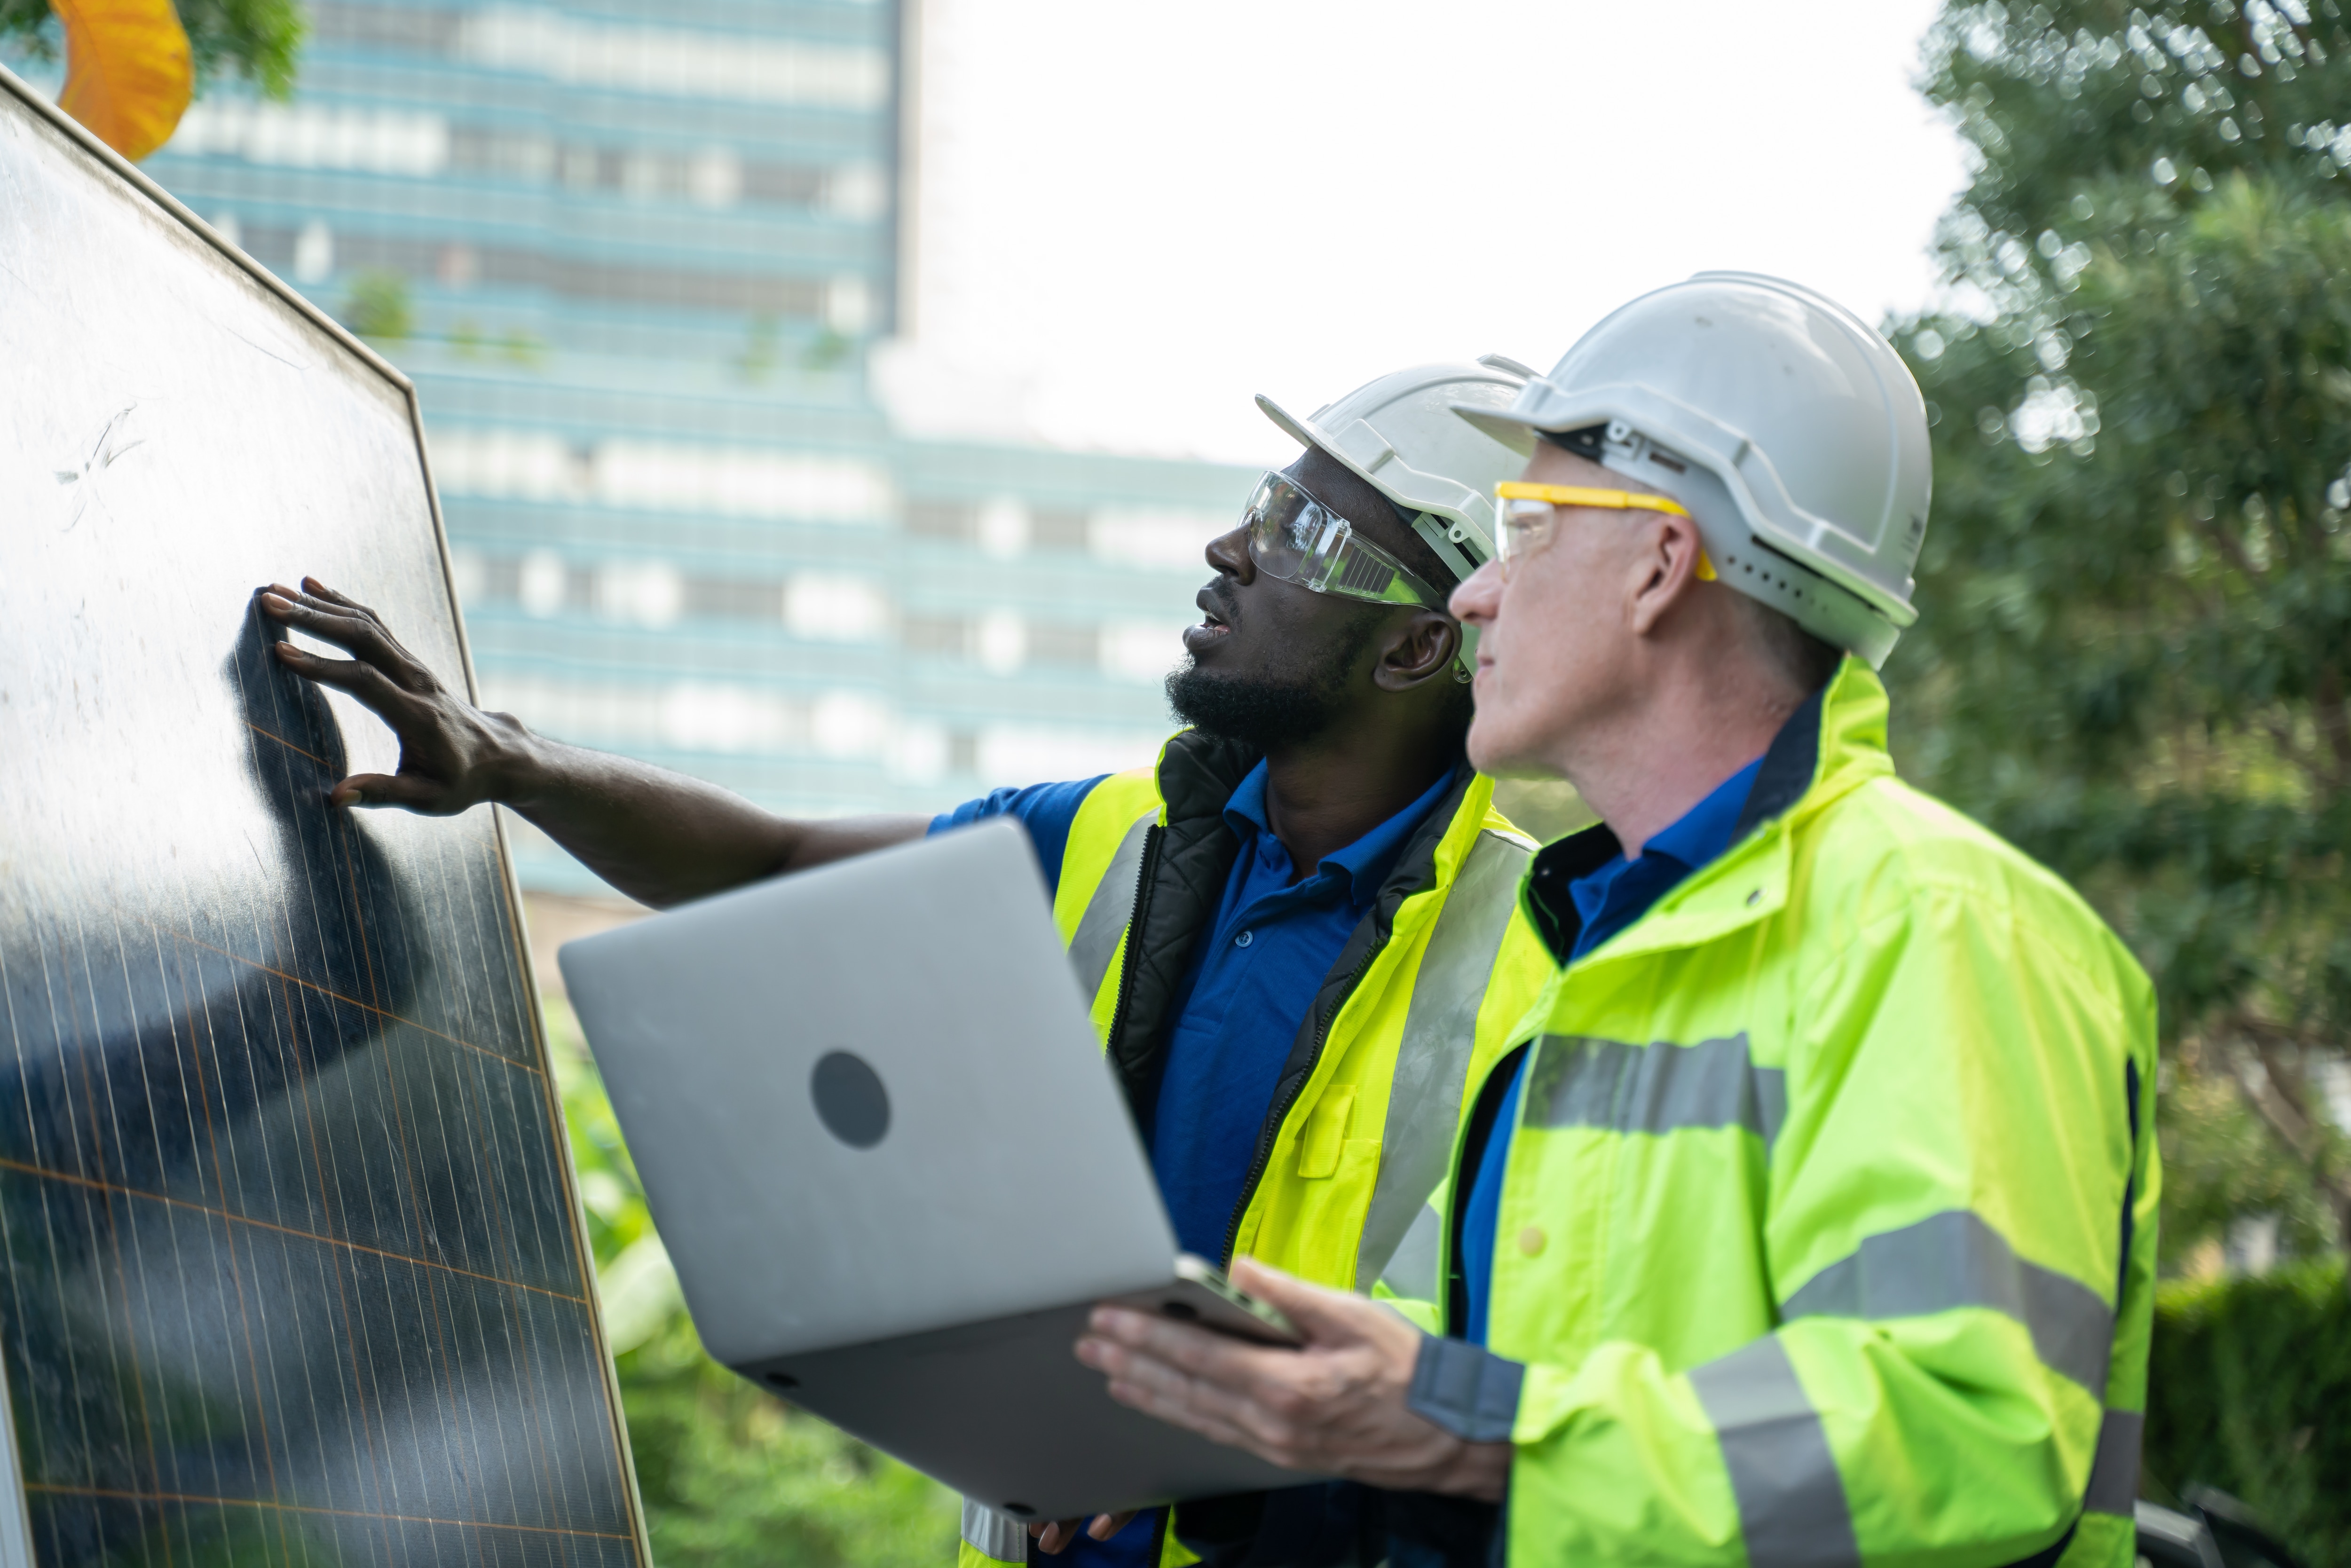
[[1529, 511], [1297, 539]]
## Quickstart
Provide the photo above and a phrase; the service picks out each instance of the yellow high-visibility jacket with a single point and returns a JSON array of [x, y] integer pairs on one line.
[[1420, 1002], [1827, 1229]]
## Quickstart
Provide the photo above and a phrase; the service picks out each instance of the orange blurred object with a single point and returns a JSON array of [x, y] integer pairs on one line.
[[129, 73]]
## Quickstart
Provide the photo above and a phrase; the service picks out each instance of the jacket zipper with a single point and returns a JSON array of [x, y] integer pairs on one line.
[[1271, 1131], [1134, 948]]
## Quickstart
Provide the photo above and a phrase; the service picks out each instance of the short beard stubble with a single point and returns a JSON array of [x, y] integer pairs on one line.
[[1266, 714]]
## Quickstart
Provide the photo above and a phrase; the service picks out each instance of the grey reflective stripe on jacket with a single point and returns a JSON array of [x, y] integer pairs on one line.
[[1956, 1258], [1415, 1270], [994, 1534], [1791, 1504], [1579, 1081], [2113, 1473], [1440, 1031], [1094, 943], [1793, 1508]]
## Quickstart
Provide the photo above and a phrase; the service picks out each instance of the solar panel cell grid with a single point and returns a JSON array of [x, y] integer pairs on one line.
[[290, 1267]]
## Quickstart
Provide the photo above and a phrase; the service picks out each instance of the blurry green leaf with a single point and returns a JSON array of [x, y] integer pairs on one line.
[[259, 41], [378, 308], [639, 1293]]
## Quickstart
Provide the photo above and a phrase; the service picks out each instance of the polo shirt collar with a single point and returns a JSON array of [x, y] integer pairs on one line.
[[1365, 863], [1706, 830]]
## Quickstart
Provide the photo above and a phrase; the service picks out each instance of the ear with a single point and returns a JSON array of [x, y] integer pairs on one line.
[[1665, 573], [1419, 650]]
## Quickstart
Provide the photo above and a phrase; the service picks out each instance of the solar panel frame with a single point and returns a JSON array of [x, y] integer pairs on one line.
[[17, 1546]]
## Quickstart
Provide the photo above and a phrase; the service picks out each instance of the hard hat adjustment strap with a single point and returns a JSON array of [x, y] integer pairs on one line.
[[1436, 533]]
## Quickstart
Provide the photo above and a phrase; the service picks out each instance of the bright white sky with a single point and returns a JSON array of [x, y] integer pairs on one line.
[[1132, 218]]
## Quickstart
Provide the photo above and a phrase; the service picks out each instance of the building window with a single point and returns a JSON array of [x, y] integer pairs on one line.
[[314, 136], [963, 752], [944, 637], [674, 61], [735, 598], [1057, 529], [957, 521], [659, 475], [1155, 537], [827, 608], [502, 580], [1064, 643]]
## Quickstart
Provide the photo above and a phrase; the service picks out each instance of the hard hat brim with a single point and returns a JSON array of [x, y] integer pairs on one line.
[[1297, 430], [1397, 434], [1512, 431]]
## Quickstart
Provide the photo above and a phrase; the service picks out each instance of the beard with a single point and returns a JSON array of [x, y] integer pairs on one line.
[[1265, 713]]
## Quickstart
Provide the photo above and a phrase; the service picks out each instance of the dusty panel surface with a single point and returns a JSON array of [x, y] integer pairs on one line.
[[292, 1270]]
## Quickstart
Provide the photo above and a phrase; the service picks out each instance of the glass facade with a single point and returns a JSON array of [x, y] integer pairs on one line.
[[633, 257]]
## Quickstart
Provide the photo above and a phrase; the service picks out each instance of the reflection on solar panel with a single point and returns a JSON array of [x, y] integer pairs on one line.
[[290, 1267]]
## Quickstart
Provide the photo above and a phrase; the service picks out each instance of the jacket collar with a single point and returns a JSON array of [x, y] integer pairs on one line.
[[1834, 743], [1198, 773]]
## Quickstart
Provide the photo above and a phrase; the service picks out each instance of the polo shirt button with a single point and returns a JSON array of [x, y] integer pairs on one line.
[[1531, 1241], [1245, 938]]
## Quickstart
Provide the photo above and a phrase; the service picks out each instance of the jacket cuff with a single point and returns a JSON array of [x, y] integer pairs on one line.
[[1466, 1389]]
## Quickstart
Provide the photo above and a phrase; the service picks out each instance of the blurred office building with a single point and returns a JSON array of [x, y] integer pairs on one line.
[[634, 256]]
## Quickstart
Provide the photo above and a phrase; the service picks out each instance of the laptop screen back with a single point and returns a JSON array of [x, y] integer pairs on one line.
[[865, 1100]]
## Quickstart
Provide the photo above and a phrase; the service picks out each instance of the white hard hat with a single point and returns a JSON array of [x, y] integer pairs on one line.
[[1793, 433], [1400, 434]]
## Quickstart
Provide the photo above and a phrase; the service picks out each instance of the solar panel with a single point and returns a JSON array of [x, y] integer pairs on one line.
[[291, 1268]]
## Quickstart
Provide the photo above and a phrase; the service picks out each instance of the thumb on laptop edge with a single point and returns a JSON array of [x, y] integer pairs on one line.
[[1320, 1314]]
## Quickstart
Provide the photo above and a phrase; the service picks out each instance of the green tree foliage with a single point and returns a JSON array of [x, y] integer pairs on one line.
[[378, 308], [730, 1475], [257, 40], [2247, 1393], [2221, 1160], [2134, 652]]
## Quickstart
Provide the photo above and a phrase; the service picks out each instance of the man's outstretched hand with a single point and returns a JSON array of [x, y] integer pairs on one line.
[[658, 836], [1335, 1406], [451, 753]]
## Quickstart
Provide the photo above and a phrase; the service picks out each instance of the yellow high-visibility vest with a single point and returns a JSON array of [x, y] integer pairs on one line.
[[1420, 1002]]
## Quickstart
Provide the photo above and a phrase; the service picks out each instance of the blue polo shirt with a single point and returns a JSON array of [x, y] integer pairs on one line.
[[1252, 976], [1607, 900]]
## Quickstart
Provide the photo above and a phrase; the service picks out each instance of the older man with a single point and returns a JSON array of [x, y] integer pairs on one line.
[[1810, 1219]]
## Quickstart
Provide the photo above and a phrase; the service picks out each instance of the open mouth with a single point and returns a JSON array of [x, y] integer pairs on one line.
[[1212, 626]]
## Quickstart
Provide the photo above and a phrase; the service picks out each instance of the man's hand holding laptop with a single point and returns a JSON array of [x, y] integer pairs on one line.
[[1336, 1406]]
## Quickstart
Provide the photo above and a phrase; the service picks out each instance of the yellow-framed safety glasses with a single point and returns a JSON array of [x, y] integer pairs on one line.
[[1527, 513]]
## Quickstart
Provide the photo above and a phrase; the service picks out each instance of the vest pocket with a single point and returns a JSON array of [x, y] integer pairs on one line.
[[1326, 1131], [1320, 1225]]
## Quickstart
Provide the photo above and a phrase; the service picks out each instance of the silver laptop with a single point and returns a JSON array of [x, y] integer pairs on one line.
[[881, 1142]]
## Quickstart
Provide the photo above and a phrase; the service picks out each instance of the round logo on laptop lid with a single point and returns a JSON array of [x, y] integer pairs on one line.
[[850, 1099]]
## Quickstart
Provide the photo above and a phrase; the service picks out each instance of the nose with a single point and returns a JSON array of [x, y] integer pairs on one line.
[[1479, 599], [1228, 554]]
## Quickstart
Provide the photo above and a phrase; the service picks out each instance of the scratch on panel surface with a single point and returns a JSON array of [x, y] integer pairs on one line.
[[251, 341], [111, 444]]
